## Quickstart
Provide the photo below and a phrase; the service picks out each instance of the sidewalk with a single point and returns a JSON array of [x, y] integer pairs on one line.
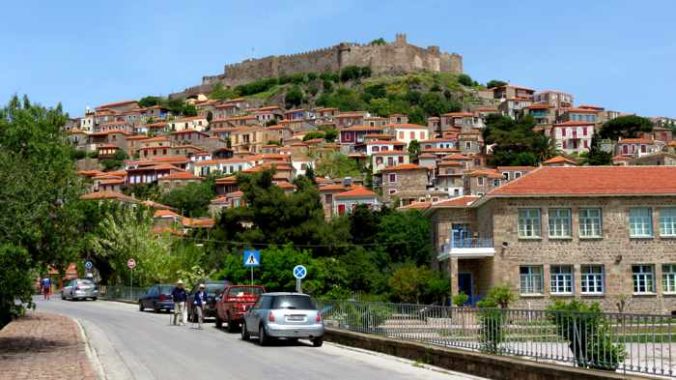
[[43, 346]]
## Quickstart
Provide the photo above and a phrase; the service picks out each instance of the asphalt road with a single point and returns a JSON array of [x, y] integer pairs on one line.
[[129, 344]]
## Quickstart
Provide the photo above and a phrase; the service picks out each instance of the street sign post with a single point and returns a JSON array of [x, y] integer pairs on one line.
[[131, 264], [251, 258], [299, 272]]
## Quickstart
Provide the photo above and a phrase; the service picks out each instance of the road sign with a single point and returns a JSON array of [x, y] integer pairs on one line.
[[299, 272], [89, 265], [252, 258], [131, 263]]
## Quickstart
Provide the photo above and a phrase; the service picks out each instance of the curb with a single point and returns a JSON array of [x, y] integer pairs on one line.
[[91, 352]]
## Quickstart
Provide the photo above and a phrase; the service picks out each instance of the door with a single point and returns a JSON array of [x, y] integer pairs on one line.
[[465, 285], [461, 236]]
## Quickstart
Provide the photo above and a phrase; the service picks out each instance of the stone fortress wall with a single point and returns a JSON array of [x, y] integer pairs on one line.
[[398, 57]]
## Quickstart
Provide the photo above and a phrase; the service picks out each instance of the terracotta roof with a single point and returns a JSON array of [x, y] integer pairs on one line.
[[137, 137], [416, 206], [165, 214], [490, 173], [189, 130], [226, 180], [462, 201], [391, 153], [559, 160], [198, 222], [520, 168], [332, 187], [360, 128], [156, 206], [357, 192], [581, 110], [180, 176], [539, 106], [592, 181], [640, 140], [456, 157], [108, 195], [285, 186], [458, 114], [121, 103], [407, 126], [404, 167]]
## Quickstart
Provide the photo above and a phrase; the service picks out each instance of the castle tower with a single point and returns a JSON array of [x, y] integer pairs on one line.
[[400, 39]]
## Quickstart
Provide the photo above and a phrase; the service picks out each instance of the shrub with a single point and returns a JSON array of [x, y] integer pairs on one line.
[[502, 296], [588, 334], [465, 80], [491, 326], [460, 299]]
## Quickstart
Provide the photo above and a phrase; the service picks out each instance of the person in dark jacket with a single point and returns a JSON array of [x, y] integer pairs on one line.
[[198, 302], [179, 296]]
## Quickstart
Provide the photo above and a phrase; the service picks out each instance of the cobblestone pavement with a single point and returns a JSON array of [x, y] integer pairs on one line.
[[43, 346]]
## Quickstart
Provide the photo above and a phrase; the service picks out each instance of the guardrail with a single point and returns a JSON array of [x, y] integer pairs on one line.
[[122, 293], [614, 342]]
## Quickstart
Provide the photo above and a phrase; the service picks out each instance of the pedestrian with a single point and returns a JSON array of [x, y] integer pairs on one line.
[[46, 285], [179, 296], [198, 302]]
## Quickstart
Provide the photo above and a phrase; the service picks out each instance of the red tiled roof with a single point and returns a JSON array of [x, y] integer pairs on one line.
[[463, 201], [581, 110], [403, 167], [180, 176], [640, 140], [121, 103], [416, 206], [357, 192], [592, 181], [407, 126], [332, 187], [559, 160], [165, 214], [360, 128], [108, 195]]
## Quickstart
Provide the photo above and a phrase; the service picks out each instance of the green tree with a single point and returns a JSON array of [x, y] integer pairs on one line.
[[313, 135], [15, 282], [405, 236], [626, 127], [294, 97], [465, 80], [410, 283], [414, 150], [337, 165], [149, 101], [219, 92], [495, 83], [39, 191], [192, 199], [378, 41], [189, 110], [596, 156]]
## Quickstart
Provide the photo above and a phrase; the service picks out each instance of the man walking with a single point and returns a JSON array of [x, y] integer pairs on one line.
[[179, 296], [46, 284], [199, 302]]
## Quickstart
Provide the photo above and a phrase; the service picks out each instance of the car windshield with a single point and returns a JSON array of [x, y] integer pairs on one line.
[[293, 302], [241, 291], [85, 282]]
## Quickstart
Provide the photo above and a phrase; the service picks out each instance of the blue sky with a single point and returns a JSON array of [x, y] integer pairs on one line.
[[620, 54]]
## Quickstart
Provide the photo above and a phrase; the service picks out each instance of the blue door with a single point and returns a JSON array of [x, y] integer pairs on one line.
[[465, 285]]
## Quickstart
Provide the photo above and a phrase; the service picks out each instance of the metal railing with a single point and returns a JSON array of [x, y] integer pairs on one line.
[[120, 292], [615, 342], [470, 242]]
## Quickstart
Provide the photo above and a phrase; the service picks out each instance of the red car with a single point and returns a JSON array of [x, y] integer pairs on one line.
[[234, 302]]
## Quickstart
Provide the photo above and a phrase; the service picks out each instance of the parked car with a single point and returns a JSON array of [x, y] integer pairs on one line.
[[284, 315], [213, 289], [80, 289], [157, 297], [235, 300]]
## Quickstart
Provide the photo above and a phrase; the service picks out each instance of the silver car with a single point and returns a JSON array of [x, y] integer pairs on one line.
[[80, 289], [284, 315]]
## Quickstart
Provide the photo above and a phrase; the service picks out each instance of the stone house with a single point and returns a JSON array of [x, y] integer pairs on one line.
[[346, 201], [481, 181], [660, 158], [638, 147], [556, 99], [542, 113], [567, 232], [197, 123], [177, 180], [388, 158], [406, 182]]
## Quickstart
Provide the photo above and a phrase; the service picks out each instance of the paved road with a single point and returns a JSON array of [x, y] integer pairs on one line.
[[133, 345]]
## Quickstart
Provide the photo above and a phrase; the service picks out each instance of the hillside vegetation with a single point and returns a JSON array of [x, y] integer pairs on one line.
[[418, 95]]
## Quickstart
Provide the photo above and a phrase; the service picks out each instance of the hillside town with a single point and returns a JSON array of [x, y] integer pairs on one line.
[[561, 228]]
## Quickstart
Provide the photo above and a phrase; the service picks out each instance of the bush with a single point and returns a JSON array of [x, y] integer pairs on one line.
[[502, 296], [588, 334], [460, 299], [79, 154], [491, 326], [15, 282], [465, 80]]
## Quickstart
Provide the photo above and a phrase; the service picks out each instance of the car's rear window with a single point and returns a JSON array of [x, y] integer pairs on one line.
[[293, 302], [85, 282], [166, 289], [214, 288]]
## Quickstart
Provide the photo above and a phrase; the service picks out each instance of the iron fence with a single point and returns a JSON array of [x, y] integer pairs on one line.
[[120, 292], [615, 342]]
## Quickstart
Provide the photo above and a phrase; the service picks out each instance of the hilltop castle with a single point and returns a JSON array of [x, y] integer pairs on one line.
[[397, 57]]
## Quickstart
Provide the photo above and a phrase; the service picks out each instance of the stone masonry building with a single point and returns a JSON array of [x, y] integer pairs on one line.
[[397, 57], [605, 234]]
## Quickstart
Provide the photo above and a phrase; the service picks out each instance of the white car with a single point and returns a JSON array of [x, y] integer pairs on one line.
[[80, 289]]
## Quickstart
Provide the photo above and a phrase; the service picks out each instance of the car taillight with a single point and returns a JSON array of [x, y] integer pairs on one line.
[[319, 317], [271, 317], [162, 297], [77, 288]]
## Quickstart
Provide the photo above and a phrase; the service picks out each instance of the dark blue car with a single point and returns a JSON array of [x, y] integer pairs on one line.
[[158, 298]]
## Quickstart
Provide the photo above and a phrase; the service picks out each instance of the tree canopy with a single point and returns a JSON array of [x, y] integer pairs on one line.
[[516, 142], [626, 127]]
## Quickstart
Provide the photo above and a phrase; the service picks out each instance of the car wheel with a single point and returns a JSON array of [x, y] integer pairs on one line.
[[156, 309], [245, 334], [63, 296], [317, 342], [140, 306], [232, 327], [94, 298], [262, 337]]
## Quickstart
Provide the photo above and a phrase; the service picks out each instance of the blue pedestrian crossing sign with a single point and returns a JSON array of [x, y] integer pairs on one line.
[[252, 258], [299, 272], [89, 265]]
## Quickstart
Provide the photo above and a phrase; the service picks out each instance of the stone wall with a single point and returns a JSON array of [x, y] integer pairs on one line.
[[410, 185], [615, 250]]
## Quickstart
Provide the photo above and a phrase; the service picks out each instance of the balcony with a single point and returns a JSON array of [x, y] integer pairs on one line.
[[467, 248]]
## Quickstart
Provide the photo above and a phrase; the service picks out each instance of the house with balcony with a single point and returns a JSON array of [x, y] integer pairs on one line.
[[388, 158], [556, 233], [542, 113], [556, 99], [356, 135], [572, 136], [638, 147]]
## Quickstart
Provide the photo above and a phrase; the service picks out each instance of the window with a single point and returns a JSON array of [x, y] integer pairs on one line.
[[561, 279], [643, 277], [480, 181], [329, 198], [379, 161], [517, 175], [592, 279], [590, 222], [668, 221], [392, 177], [392, 191], [640, 222], [559, 222], [411, 135], [401, 135], [529, 223], [401, 159], [531, 279], [496, 182], [669, 278]]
